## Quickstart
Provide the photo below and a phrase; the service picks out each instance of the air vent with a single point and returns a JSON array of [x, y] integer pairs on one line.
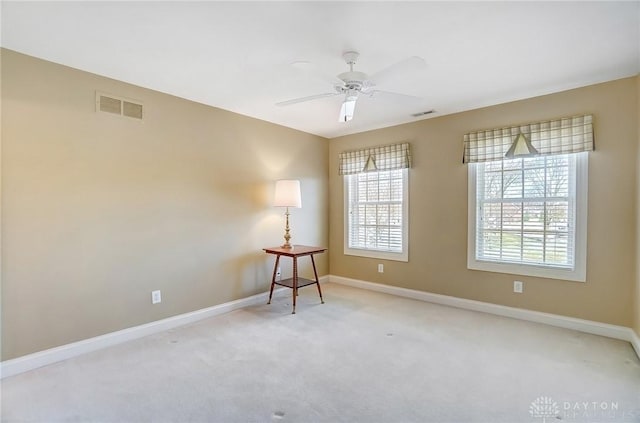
[[108, 103], [428, 112], [132, 109]]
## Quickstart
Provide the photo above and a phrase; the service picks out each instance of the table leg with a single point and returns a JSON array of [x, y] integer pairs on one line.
[[273, 278], [317, 281], [295, 283]]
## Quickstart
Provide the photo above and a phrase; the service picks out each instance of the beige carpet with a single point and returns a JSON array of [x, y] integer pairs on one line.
[[361, 357]]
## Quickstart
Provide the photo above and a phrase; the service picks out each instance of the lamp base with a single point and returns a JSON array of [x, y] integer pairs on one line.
[[287, 237]]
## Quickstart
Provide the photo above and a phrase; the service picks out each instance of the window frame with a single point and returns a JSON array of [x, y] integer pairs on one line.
[[370, 253], [577, 274]]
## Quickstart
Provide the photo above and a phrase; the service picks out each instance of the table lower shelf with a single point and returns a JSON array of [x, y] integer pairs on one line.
[[289, 282]]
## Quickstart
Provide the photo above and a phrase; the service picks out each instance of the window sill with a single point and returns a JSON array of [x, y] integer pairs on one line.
[[577, 275], [384, 255]]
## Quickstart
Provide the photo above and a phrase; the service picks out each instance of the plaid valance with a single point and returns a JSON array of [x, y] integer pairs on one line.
[[559, 136], [386, 157]]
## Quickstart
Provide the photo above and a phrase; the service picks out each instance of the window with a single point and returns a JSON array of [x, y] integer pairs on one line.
[[376, 201], [528, 216], [376, 222]]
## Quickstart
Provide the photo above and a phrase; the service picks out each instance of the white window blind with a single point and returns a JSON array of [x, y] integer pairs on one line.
[[375, 217], [558, 136]]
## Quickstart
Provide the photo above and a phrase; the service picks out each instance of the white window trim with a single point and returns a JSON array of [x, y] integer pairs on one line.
[[578, 274], [384, 255]]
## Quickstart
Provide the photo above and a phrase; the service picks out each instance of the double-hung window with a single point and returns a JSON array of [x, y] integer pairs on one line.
[[376, 202], [527, 214]]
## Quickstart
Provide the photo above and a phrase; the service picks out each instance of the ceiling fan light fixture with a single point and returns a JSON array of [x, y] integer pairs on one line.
[[348, 108]]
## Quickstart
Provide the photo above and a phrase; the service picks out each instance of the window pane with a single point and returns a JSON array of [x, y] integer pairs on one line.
[[512, 216], [395, 214], [491, 242], [371, 215], [370, 237], [493, 166], [396, 189], [492, 216], [362, 191], [395, 237], [533, 247], [512, 183], [534, 182], [534, 162], [383, 214], [558, 181], [557, 218], [360, 214], [493, 185], [556, 249], [385, 190], [512, 164], [511, 245], [372, 191], [533, 217]]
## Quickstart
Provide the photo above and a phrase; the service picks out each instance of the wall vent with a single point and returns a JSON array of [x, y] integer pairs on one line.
[[108, 103], [427, 112]]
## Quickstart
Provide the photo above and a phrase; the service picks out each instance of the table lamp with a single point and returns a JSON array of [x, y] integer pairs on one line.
[[287, 195]]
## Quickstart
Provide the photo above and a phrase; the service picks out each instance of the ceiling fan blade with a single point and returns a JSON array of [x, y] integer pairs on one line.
[[376, 93], [303, 99], [404, 66], [312, 70]]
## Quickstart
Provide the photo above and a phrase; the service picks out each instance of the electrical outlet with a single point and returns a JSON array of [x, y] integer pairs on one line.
[[156, 297], [518, 286], [380, 268], [278, 274]]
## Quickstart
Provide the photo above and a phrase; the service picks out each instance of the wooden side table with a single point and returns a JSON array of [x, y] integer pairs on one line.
[[295, 282]]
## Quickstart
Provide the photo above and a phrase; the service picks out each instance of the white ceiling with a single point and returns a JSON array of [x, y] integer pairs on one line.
[[237, 55]]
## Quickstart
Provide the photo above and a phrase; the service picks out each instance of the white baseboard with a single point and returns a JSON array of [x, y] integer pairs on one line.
[[587, 326], [64, 352], [635, 342]]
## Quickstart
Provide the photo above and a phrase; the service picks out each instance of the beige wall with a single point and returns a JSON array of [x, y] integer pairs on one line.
[[438, 207], [99, 210]]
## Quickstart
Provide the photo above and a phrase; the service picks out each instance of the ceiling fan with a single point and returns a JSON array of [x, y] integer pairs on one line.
[[354, 84]]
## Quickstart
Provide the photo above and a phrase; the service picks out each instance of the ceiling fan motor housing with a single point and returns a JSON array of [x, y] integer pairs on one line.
[[353, 77], [354, 82]]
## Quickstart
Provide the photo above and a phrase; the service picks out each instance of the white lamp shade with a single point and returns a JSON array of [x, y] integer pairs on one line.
[[287, 194]]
